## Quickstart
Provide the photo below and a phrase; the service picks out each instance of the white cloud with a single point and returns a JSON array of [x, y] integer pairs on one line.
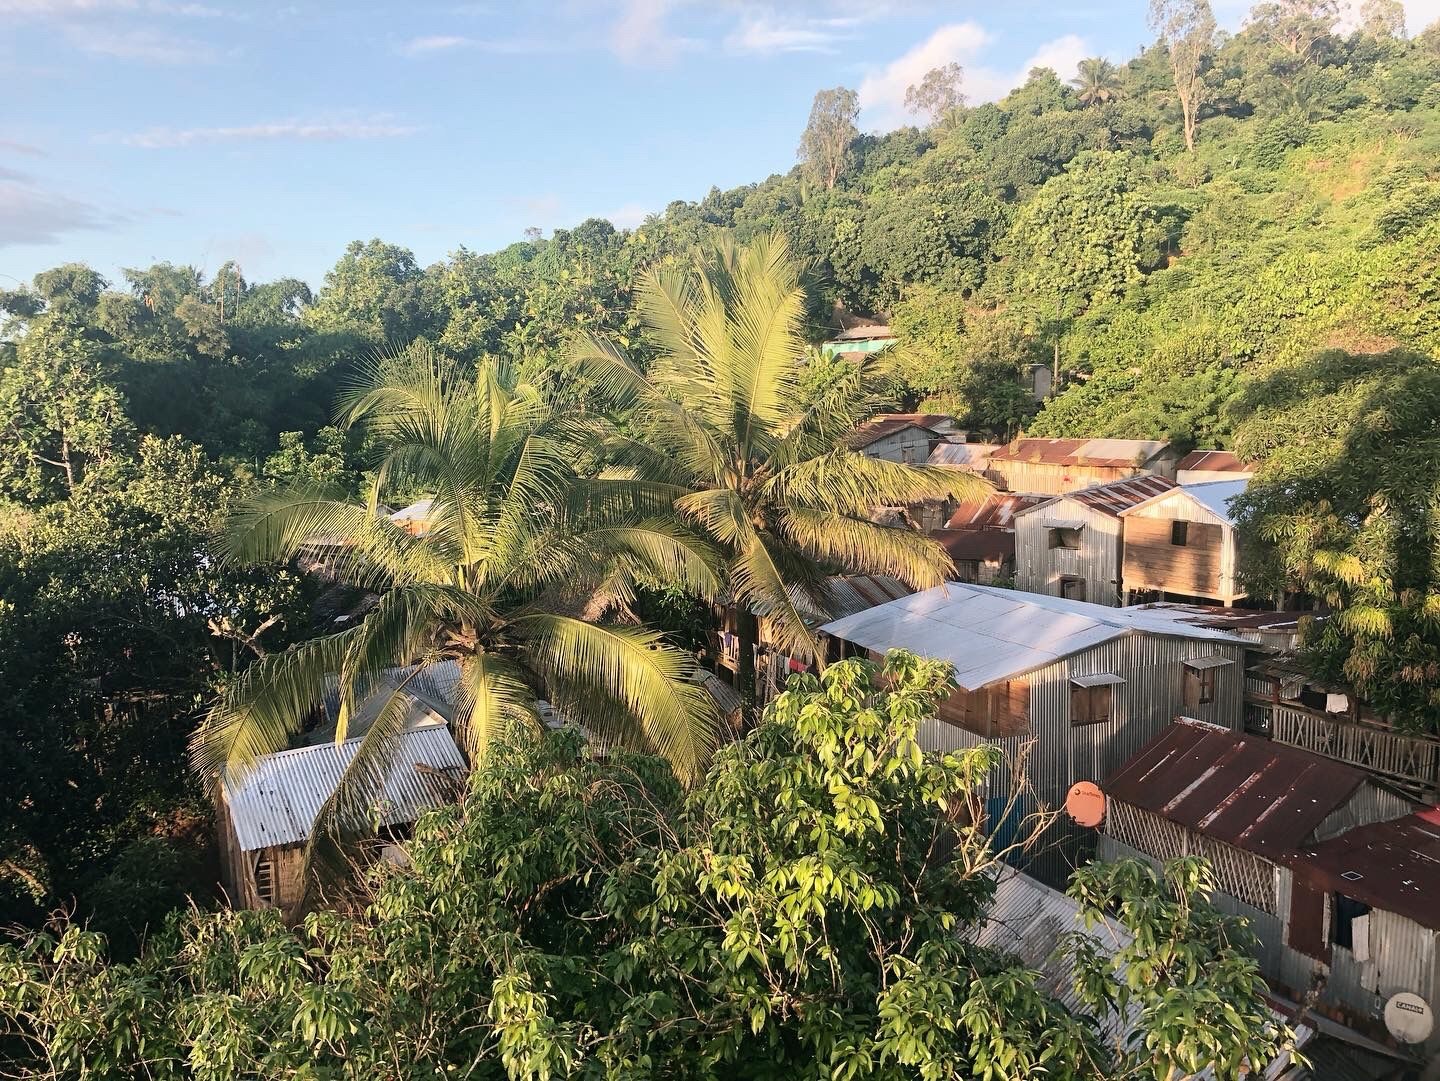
[[882, 93], [764, 31], [13, 147], [434, 44], [148, 45], [304, 130], [642, 35], [629, 216], [501, 46]]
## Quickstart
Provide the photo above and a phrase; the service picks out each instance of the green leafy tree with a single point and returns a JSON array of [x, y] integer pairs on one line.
[[1344, 508], [827, 144], [938, 95], [60, 415], [805, 913], [1184, 968], [1083, 240], [1187, 28], [518, 546], [763, 472]]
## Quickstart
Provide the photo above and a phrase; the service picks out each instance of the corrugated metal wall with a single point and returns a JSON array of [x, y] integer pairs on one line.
[[1151, 697], [1370, 803], [1053, 478], [1038, 567], [909, 445]]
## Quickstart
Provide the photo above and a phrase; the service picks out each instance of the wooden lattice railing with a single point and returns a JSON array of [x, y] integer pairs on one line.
[[1241, 874], [1410, 762]]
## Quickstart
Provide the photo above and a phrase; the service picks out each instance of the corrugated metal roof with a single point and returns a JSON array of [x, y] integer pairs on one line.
[[995, 511], [1397, 864], [1215, 496], [991, 634], [872, 431], [1213, 461], [1264, 797], [1222, 618], [276, 802], [971, 456], [867, 332], [938, 423], [851, 593], [995, 545], [431, 692], [1027, 920], [1115, 497], [415, 512], [1114, 453]]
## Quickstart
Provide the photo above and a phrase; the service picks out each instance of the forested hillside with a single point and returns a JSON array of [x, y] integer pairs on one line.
[[1274, 287]]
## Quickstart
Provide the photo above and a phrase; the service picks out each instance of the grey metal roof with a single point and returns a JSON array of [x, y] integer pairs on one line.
[[851, 593], [431, 693], [990, 634], [1215, 496], [1027, 920], [276, 802], [969, 456]]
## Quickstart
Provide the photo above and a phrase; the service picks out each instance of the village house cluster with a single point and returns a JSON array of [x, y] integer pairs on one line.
[[1102, 636]]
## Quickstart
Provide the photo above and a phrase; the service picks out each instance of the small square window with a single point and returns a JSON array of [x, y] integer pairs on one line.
[[1179, 534], [1072, 589], [265, 881], [1199, 686], [1091, 705], [1064, 537]]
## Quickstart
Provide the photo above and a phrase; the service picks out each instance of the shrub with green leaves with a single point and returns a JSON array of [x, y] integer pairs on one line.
[[804, 913]]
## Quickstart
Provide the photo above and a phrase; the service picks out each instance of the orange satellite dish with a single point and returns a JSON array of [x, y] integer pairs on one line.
[[1085, 803]]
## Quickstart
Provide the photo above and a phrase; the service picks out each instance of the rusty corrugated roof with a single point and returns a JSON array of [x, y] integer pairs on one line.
[[1391, 865], [1213, 461], [996, 545], [1264, 797], [1114, 497], [872, 431], [971, 456], [995, 511], [867, 332], [1113, 453], [935, 422]]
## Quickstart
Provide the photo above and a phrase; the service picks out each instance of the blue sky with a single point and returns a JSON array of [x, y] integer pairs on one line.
[[195, 132]]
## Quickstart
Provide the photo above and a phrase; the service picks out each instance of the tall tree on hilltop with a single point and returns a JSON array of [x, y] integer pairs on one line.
[[938, 94], [517, 543], [1295, 26], [1187, 27], [825, 147], [727, 414], [1097, 81], [1383, 19]]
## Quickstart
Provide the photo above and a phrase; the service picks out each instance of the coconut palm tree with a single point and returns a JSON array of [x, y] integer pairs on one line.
[[1097, 80], [517, 543], [731, 412]]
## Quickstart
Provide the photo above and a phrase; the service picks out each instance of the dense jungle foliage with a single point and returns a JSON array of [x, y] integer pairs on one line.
[[1275, 288]]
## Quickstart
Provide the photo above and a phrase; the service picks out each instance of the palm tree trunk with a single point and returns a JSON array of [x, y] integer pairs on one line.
[[747, 627]]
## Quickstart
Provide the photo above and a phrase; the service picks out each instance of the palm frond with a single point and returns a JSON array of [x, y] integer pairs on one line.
[[620, 683], [847, 482], [266, 706], [761, 584], [494, 698], [866, 548]]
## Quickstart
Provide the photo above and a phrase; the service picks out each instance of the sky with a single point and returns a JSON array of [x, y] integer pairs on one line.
[[136, 131]]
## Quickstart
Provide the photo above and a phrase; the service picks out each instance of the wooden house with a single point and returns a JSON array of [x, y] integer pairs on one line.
[[892, 441], [266, 815], [939, 425], [863, 339], [1336, 875], [1071, 546], [1088, 684], [1180, 543], [1203, 466], [1057, 466], [979, 536]]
